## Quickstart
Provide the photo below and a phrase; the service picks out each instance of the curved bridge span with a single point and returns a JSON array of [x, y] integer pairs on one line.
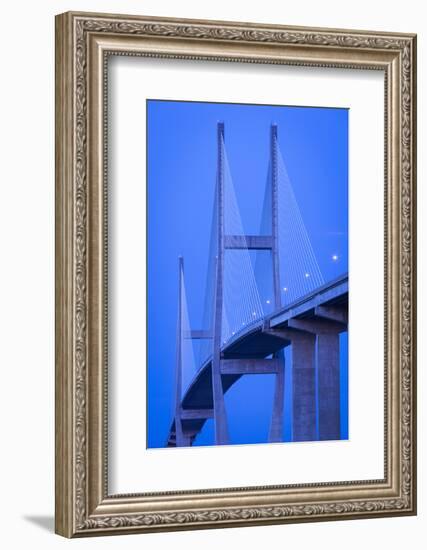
[[311, 326]]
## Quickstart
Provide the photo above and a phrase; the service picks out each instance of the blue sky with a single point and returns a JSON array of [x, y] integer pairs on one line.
[[181, 172]]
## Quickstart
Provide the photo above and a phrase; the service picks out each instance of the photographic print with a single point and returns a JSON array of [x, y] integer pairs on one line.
[[247, 286]]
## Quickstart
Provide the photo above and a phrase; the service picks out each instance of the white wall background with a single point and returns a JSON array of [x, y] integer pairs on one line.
[[27, 273]]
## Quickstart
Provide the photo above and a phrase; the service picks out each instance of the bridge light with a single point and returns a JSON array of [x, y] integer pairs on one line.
[[307, 275], [334, 257], [253, 313], [267, 301], [285, 289]]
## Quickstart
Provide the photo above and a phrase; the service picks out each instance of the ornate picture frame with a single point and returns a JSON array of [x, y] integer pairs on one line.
[[84, 42]]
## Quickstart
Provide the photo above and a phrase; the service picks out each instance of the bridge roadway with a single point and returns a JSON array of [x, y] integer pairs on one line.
[[328, 304]]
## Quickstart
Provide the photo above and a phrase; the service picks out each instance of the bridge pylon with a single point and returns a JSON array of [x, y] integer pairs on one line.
[[220, 417], [249, 242], [181, 439]]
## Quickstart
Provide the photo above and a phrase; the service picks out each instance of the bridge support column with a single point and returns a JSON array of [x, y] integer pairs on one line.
[[328, 381], [181, 438], [276, 426], [328, 373], [303, 380], [220, 418], [303, 389]]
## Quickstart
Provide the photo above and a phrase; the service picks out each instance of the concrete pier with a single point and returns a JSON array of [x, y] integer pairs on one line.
[[326, 331], [276, 427], [303, 389], [328, 380]]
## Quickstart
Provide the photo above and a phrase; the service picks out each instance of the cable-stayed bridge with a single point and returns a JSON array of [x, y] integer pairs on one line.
[[263, 293]]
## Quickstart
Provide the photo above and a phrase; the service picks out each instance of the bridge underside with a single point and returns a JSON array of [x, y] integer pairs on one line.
[[313, 322]]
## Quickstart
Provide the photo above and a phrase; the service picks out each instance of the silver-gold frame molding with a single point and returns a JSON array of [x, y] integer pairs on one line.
[[83, 43]]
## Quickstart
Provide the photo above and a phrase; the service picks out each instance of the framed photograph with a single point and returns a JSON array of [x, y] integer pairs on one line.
[[235, 274]]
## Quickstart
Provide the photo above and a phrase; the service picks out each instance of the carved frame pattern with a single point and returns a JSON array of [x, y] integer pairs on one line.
[[83, 506]]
